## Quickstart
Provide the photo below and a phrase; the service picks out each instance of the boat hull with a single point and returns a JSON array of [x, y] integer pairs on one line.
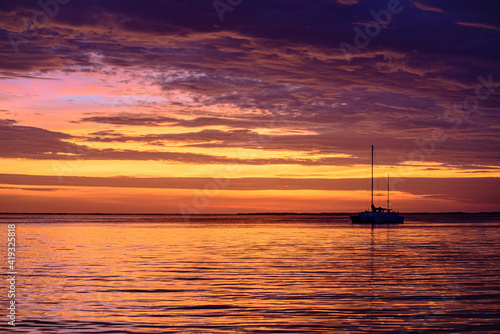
[[377, 218]]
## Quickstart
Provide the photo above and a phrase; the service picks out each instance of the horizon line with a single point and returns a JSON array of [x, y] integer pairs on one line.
[[231, 214]]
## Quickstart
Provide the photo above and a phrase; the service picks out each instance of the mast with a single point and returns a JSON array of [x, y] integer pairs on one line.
[[372, 177], [388, 205]]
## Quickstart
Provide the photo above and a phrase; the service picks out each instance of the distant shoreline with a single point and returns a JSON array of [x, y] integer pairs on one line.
[[236, 214]]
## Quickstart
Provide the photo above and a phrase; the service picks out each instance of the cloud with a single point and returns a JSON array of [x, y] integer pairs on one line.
[[31, 189], [218, 121], [129, 119], [7, 122], [453, 152], [348, 2], [282, 57], [479, 25], [478, 190], [423, 6], [34, 143], [154, 120]]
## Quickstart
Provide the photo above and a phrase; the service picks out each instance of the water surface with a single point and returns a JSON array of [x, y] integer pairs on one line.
[[254, 274]]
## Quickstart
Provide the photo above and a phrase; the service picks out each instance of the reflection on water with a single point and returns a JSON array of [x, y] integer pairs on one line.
[[255, 274]]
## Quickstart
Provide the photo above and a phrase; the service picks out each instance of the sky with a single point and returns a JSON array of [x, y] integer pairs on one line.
[[234, 106]]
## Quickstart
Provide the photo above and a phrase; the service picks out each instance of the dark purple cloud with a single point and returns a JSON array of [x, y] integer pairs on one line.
[[466, 190], [279, 57], [449, 151], [34, 143], [129, 119]]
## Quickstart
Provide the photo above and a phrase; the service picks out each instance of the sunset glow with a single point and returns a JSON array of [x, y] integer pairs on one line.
[[136, 112]]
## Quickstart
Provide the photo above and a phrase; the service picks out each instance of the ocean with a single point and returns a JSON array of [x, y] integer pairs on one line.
[[437, 273]]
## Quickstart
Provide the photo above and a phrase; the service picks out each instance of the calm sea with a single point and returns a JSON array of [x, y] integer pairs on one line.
[[253, 274]]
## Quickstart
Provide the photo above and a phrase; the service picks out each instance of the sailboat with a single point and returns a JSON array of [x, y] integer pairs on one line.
[[378, 215]]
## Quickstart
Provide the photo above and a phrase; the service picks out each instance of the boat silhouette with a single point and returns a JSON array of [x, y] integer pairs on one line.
[[378, 215]]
